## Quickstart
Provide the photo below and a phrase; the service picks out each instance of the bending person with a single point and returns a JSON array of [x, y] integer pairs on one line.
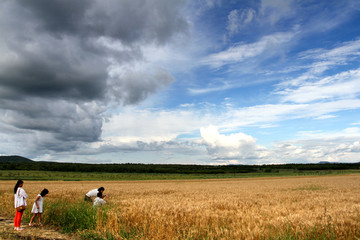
[[93, 194]]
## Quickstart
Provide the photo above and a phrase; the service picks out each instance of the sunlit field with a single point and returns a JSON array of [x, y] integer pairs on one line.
[[321, 207]]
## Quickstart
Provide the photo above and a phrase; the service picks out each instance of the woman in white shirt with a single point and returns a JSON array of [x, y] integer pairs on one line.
[[20, 200]]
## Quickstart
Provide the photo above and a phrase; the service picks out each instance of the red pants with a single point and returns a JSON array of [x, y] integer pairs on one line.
[[17, 219]]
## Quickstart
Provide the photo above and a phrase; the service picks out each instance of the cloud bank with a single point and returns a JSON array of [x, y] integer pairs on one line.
[[63, 63]]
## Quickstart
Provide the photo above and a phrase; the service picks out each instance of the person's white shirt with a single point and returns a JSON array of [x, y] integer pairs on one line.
[[20, 197], [99, 201], [92, 193]]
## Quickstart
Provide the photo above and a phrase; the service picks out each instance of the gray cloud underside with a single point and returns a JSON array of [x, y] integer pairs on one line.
[[128, 20], [54, 75]]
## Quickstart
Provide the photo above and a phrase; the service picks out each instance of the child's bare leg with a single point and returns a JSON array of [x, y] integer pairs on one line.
[[32, 219], [40, 219]]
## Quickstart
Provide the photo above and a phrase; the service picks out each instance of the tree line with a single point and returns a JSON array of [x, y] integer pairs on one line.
[[13, 163]]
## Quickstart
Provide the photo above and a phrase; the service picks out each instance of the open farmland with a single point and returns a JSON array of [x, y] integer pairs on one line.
[[321, 207]]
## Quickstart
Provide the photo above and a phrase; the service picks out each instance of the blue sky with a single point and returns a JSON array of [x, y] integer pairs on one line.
[[190, 82]]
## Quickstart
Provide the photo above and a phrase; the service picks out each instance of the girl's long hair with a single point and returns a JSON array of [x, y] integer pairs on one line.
[[17, 185], [44, 192]]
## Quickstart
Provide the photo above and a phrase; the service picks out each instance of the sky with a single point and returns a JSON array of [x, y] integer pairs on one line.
[[209, 82]]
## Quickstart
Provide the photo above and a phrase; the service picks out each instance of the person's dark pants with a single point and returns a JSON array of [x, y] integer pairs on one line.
[[87, 199]]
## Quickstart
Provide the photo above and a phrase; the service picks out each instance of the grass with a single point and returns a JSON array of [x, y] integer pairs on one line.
[[83, 219], [101, 176], [319, 232], [72, 217]]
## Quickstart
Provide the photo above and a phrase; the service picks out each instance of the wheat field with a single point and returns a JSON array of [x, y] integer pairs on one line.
[[257, 208]]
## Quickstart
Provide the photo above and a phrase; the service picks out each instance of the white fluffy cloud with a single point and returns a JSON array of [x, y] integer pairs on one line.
[[144, 125], [241, 148], [236, 146]]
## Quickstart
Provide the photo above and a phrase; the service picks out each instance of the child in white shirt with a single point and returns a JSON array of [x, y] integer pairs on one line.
[[99, 200], [38, 206]]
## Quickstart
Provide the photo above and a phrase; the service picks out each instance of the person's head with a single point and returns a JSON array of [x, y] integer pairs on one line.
[[44, 192], [18, 184], [99, 194], [101, 189]]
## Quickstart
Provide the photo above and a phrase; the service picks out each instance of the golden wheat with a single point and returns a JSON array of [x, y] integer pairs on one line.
[[261, 208]]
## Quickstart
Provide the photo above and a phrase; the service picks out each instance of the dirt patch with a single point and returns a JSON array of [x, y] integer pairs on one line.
[[34, 233]]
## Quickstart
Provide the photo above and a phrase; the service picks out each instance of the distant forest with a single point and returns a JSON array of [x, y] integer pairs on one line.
[[21, 163]]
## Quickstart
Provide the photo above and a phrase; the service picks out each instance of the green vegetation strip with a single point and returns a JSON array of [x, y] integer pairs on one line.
[[103, 176]]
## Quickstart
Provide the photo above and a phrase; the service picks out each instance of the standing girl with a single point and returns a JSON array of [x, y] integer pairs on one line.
[[38, 206], [20, 204]]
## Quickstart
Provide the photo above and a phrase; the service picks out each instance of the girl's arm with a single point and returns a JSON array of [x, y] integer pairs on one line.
[[37, 198]]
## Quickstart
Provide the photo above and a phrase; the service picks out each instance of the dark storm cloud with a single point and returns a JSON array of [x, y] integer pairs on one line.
[[128, 20], [146, 83], [45, 70], [56, 56]]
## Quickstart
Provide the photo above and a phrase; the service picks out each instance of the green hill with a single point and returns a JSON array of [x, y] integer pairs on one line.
[[14, 159]]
